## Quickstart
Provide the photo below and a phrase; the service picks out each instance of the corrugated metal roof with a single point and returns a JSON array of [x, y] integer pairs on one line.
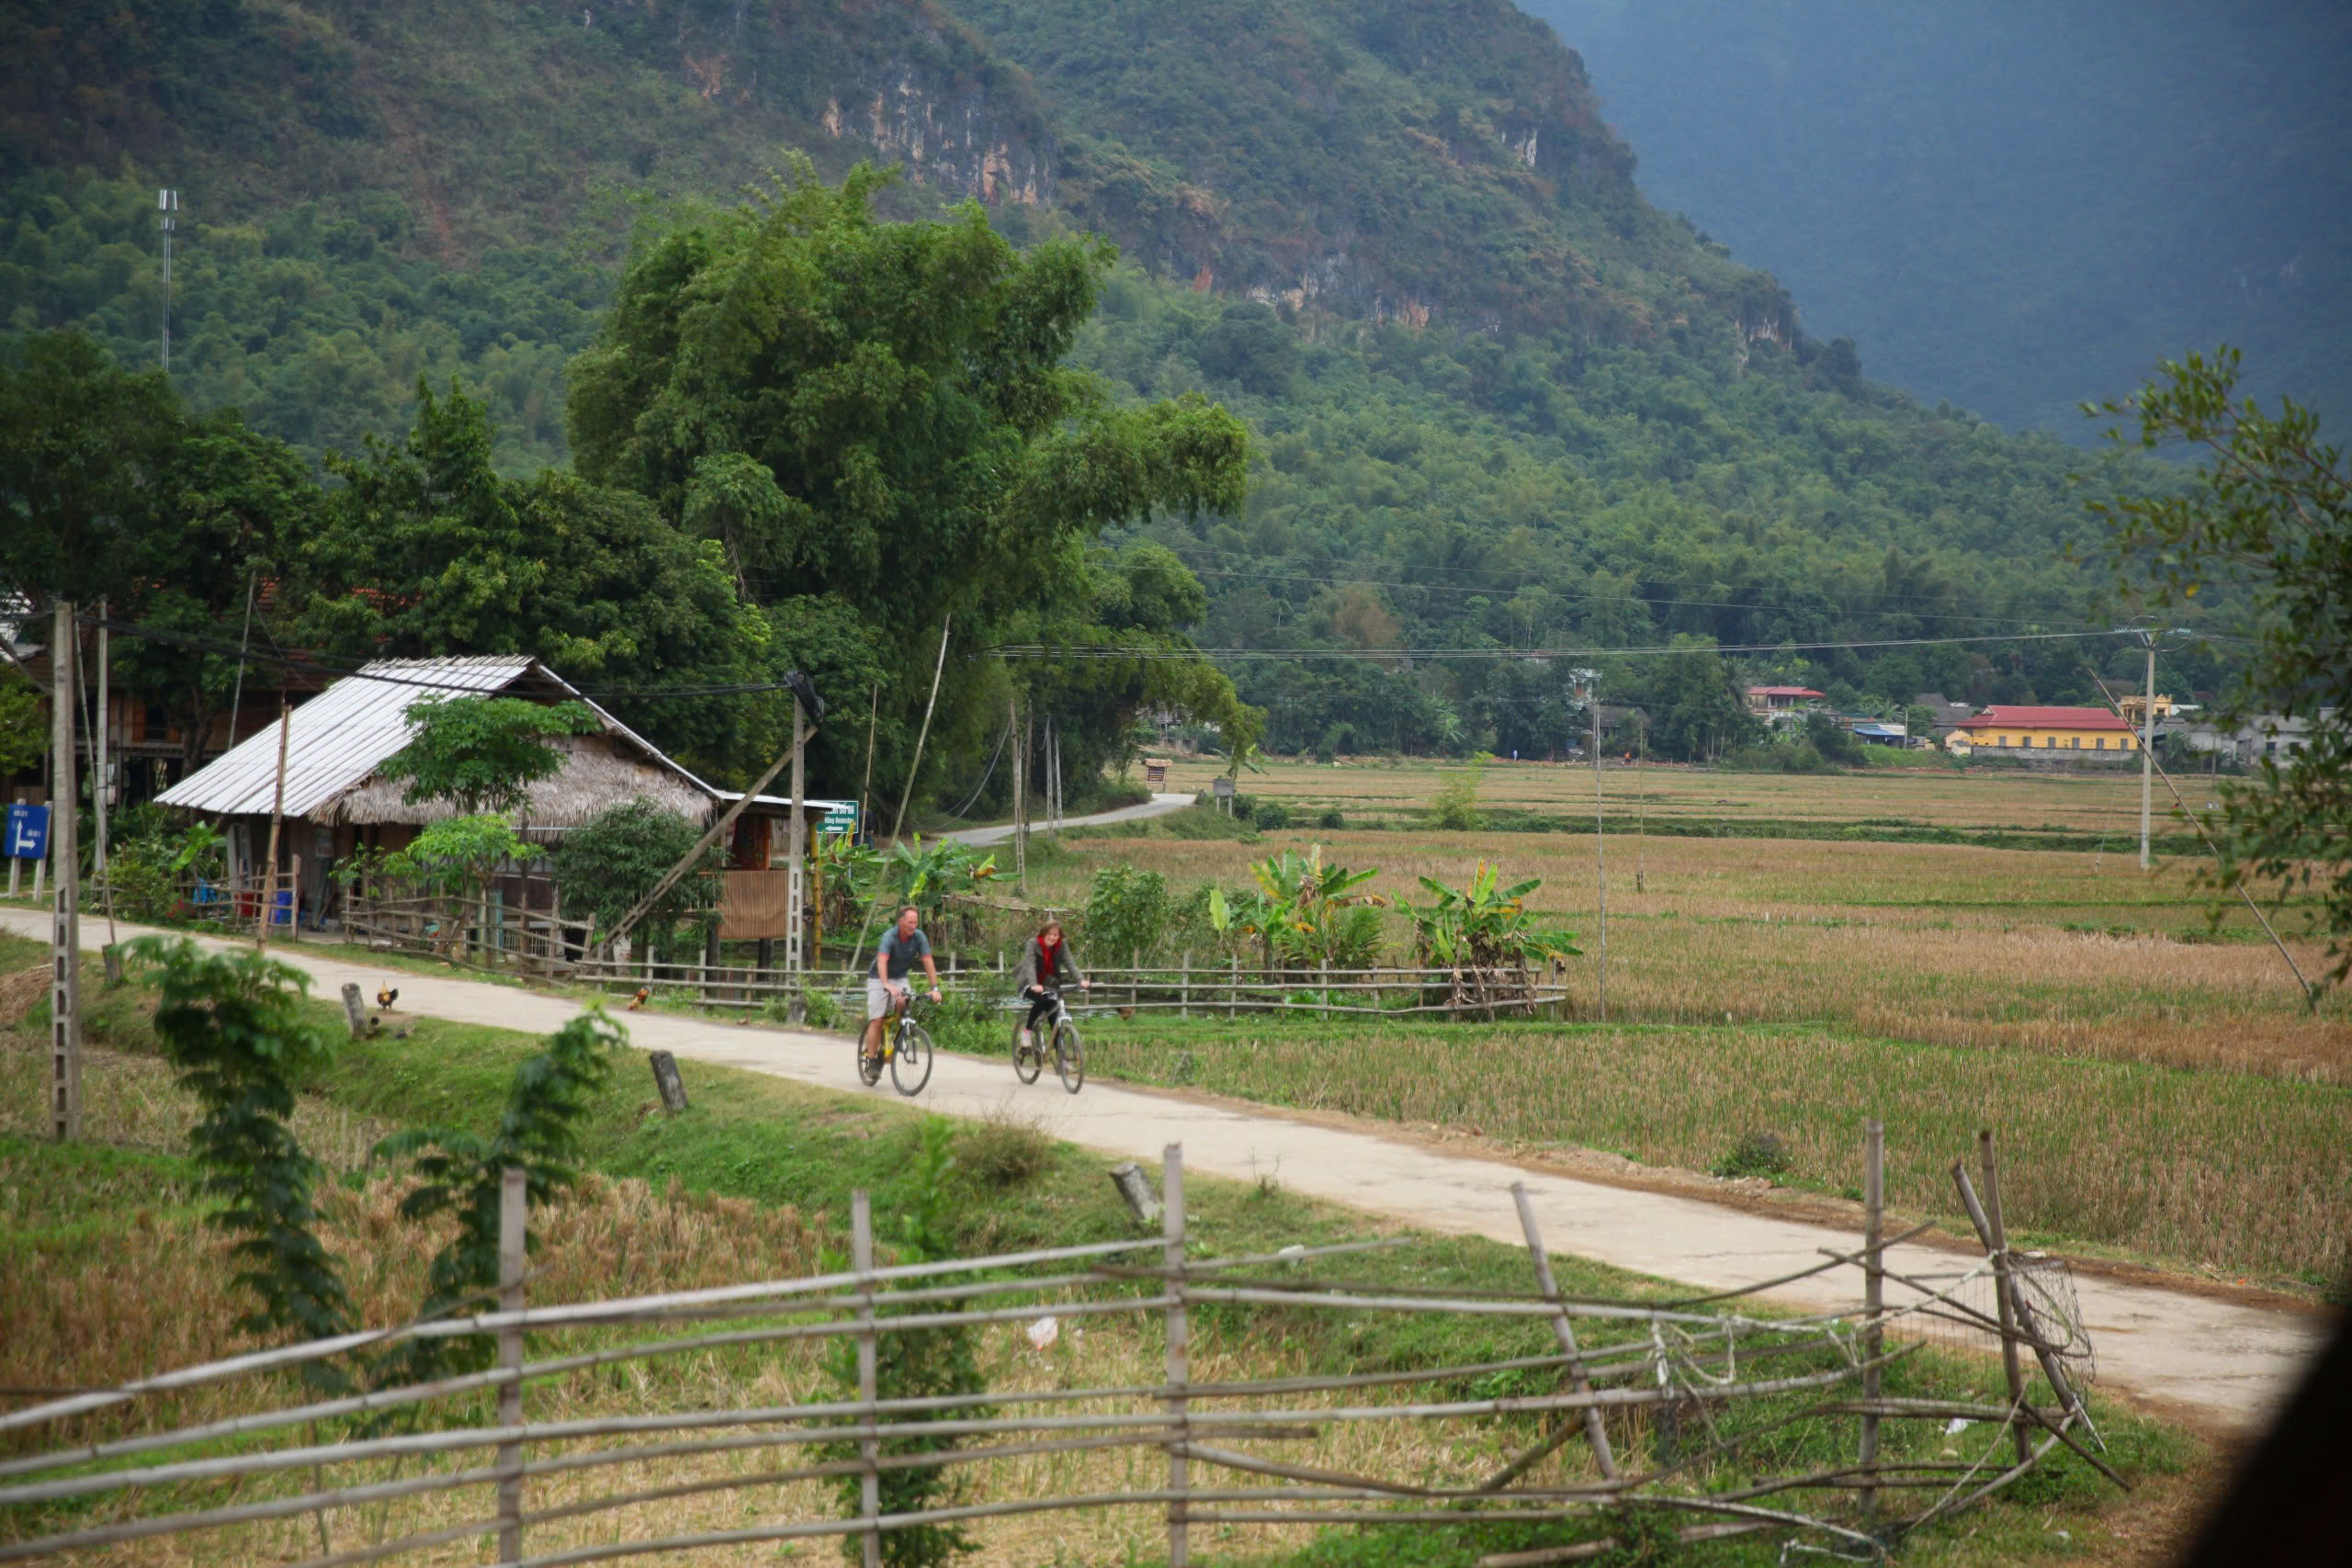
[[341, 736]]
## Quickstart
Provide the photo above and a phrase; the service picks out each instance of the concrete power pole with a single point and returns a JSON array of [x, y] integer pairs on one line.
[[167, 203], [65, 927], [2147, 750], [795, 922]]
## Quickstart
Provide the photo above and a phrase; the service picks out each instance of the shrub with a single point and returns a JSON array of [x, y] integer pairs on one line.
[[916, 1363], [1332, 817], [605, 867], [1271, 815], [231, 1023], [1127, 913], [1456, 807], [1756, 1153], [1004, 1150]]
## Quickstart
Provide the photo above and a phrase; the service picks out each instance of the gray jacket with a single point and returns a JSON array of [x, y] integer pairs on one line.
[[1035, 960]]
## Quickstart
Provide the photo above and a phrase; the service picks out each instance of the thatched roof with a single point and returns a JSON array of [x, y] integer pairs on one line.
[[337, 742], [596, 776]]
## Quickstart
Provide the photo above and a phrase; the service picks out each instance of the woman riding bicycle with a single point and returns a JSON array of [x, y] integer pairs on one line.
[[1044, 969]]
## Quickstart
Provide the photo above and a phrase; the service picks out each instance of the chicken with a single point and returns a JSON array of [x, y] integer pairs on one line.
[[385, 996], [637, 1000]]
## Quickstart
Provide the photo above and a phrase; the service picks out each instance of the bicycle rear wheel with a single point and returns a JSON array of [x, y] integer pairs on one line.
[[1028, 1063], [1069, 1056], [911, 1063]]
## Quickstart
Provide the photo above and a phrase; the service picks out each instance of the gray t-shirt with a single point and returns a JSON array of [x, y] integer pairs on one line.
[[898, 954]]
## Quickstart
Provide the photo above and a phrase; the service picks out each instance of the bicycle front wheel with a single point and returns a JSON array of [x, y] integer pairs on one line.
[[911, 1063], [1069, 1056], [1027, 1063]]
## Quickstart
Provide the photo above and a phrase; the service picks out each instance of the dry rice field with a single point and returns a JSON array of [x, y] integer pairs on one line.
[[2091, 801]]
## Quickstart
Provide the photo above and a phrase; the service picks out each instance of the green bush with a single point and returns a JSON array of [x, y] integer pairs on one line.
[[1756, 1153], [1456, 806], [1127, 913], [1002, 1151], [1331, 817], [1271, 815]]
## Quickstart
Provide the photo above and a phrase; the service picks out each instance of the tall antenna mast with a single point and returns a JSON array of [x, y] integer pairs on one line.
[[167, 203]]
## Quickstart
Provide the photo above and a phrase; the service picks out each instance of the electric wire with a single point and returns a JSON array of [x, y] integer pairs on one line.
[[312, 666]]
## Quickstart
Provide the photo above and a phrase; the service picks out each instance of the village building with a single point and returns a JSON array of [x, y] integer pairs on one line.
[[1774, 702], [338, 800], [2023, 731]]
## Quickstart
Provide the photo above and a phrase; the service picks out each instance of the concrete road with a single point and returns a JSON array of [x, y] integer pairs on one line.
[[2220, 1360], [1159, 805]]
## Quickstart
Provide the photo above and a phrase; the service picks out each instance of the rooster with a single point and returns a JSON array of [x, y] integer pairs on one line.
[[637, 1000], [385, 996]]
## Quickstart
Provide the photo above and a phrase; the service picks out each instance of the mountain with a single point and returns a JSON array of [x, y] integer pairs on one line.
[[1502, 401], [2011, 206]]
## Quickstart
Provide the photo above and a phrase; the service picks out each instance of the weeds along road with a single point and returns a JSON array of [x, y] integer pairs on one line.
[[2223, 1362]]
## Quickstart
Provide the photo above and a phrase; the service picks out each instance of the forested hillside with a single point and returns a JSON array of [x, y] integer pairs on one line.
[[2009, 204], [1498, 400]]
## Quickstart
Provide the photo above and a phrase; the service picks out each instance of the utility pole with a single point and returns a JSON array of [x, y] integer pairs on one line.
[[796, 921], [2147, 748], [1020, 797], [100, 784], [167, 203], [1599, 840], [65, 924], [277, 820]]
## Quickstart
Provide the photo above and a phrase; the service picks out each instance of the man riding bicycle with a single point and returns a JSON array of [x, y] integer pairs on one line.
[[1043, 969], [886, 987]]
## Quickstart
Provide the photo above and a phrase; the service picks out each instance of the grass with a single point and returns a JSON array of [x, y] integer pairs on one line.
[[2234, 1172], [2101, 801], [105, 1272]]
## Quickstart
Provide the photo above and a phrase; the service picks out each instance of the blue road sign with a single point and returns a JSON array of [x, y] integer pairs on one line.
[[28, 832]]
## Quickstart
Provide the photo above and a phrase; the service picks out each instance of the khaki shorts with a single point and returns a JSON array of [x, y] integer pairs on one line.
[[877, 998]]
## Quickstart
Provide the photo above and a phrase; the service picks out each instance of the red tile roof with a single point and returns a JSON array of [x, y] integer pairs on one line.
[[2045, 718], [1782, 691]]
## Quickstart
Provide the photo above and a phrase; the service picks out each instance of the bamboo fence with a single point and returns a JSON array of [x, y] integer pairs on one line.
[[1694, 1355], [1210, 989]]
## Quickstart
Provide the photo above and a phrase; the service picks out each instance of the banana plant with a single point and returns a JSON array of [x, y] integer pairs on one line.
[[1306, 912], [1484, 926]]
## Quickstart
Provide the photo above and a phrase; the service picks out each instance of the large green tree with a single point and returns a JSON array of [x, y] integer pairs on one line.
[[109, 489], [876, 425], [426, 550], [2270, 516]]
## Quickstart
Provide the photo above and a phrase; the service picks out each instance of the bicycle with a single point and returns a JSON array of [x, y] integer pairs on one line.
[[906, 1046], [1061, 1032]]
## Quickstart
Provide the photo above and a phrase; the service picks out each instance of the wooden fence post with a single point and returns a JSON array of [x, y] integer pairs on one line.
[[1171, 1198], [1185, 986], [869, 1450], [2005, 1285], [1873, 1293], [1233, 987], [1565, 1331], [355, 1010], [514, 1217], [1995, 1247], [1323, 968]]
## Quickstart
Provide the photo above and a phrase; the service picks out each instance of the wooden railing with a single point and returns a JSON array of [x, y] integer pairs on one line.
[[1208, 989], [398, 1461]]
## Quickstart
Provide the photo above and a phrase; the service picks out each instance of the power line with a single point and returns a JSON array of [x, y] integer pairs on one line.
[[312, 666], [1425, 654], [1631, 598]]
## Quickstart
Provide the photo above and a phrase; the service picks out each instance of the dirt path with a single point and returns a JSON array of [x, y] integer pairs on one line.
[[2219, 1362]]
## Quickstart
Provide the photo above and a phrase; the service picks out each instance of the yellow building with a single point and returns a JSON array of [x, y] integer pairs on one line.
[[2012, 731]]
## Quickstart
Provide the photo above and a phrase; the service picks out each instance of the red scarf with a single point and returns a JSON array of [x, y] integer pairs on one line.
[[1050, 960]]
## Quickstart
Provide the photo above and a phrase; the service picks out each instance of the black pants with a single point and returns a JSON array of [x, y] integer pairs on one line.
[[1041, 1006]]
